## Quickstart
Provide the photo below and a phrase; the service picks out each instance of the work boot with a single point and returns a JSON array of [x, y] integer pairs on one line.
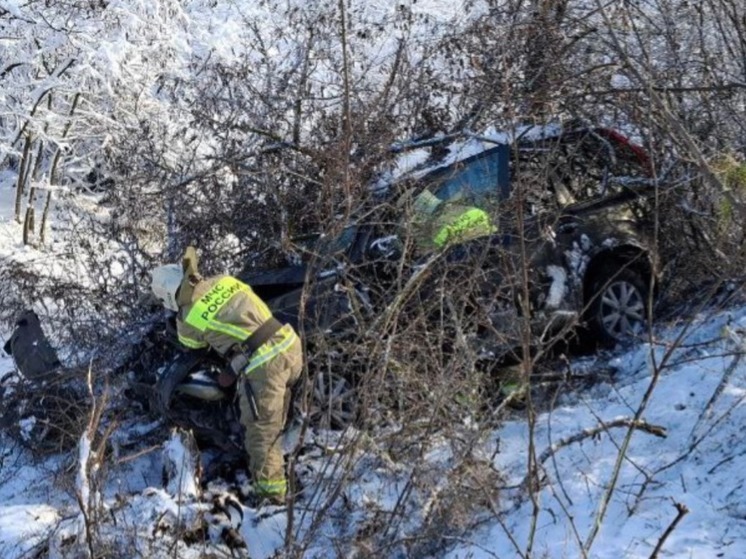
[[256, 500], [276, 500]]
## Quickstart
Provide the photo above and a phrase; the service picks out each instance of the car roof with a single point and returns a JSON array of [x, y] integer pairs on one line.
[[420, 157]]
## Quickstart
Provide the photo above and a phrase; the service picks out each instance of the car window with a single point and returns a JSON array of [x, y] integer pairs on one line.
[[476, 180]]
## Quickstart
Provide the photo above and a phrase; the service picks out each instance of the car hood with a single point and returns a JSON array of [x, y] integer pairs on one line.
[[287, 275]]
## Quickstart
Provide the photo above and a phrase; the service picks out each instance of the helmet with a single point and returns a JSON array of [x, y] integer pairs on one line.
[[166, 282], [426, 203]]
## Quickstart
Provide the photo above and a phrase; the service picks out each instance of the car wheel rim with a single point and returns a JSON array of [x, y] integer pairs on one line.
[[622, 310], [332, 401]]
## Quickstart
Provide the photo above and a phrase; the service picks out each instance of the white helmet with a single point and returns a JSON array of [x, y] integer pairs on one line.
[[426, 203], [166, 282]]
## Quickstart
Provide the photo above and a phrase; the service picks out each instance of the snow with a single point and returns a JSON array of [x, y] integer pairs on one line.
[[698, 404], [83, 483], [183, 481], [24, 526], [30, 504], [265, 531], [559, 285], [414, 162], [697, 464]]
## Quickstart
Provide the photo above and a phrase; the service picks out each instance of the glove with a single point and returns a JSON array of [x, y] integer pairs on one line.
[[226, 379]]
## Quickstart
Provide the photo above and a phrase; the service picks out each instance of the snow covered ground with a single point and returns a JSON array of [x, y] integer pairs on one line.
[[685, 458], [698, 402]]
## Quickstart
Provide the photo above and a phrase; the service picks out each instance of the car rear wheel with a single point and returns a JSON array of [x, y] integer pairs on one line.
[[617, 306], [331, 403]]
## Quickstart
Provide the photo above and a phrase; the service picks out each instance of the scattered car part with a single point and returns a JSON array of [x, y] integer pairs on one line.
[[34, 356]]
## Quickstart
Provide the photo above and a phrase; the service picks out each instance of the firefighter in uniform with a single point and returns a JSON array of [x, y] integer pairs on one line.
[[226, 315], [438, 225]]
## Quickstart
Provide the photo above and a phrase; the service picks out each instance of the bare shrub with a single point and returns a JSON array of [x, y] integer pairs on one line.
[[47, 416], [463, 495]]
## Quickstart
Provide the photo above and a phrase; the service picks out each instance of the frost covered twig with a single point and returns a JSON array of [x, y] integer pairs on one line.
[[628, 422], [682, 511], [88, 466]]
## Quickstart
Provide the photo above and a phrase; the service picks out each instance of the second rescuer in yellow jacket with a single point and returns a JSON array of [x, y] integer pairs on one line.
[[438, 225], [226, 315]]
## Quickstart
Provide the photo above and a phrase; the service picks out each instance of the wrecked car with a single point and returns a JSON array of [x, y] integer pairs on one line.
[[571, 232], [583, 200]]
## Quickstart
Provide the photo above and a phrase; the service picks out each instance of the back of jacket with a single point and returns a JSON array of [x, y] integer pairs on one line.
[[222, 312]]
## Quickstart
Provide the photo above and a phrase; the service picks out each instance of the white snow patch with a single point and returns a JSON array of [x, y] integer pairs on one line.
[[558, 289], [27, 427]]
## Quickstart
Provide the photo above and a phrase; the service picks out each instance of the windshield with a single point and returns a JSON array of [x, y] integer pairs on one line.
[[475, 180], [577, 168]]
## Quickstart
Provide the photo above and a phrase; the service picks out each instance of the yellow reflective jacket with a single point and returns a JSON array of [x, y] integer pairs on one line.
[[452, 223], [224, 311]]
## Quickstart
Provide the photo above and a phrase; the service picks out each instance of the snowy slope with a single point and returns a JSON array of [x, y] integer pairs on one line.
[[700, 402], [697, 404], [697, 401]]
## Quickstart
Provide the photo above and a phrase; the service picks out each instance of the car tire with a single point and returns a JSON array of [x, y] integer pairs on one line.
[[617, 305], [331, 402]]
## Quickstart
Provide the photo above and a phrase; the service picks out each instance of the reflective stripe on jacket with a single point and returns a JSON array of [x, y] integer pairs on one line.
[[458, 225], [452, 224], [225, 311], [267, 488]]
